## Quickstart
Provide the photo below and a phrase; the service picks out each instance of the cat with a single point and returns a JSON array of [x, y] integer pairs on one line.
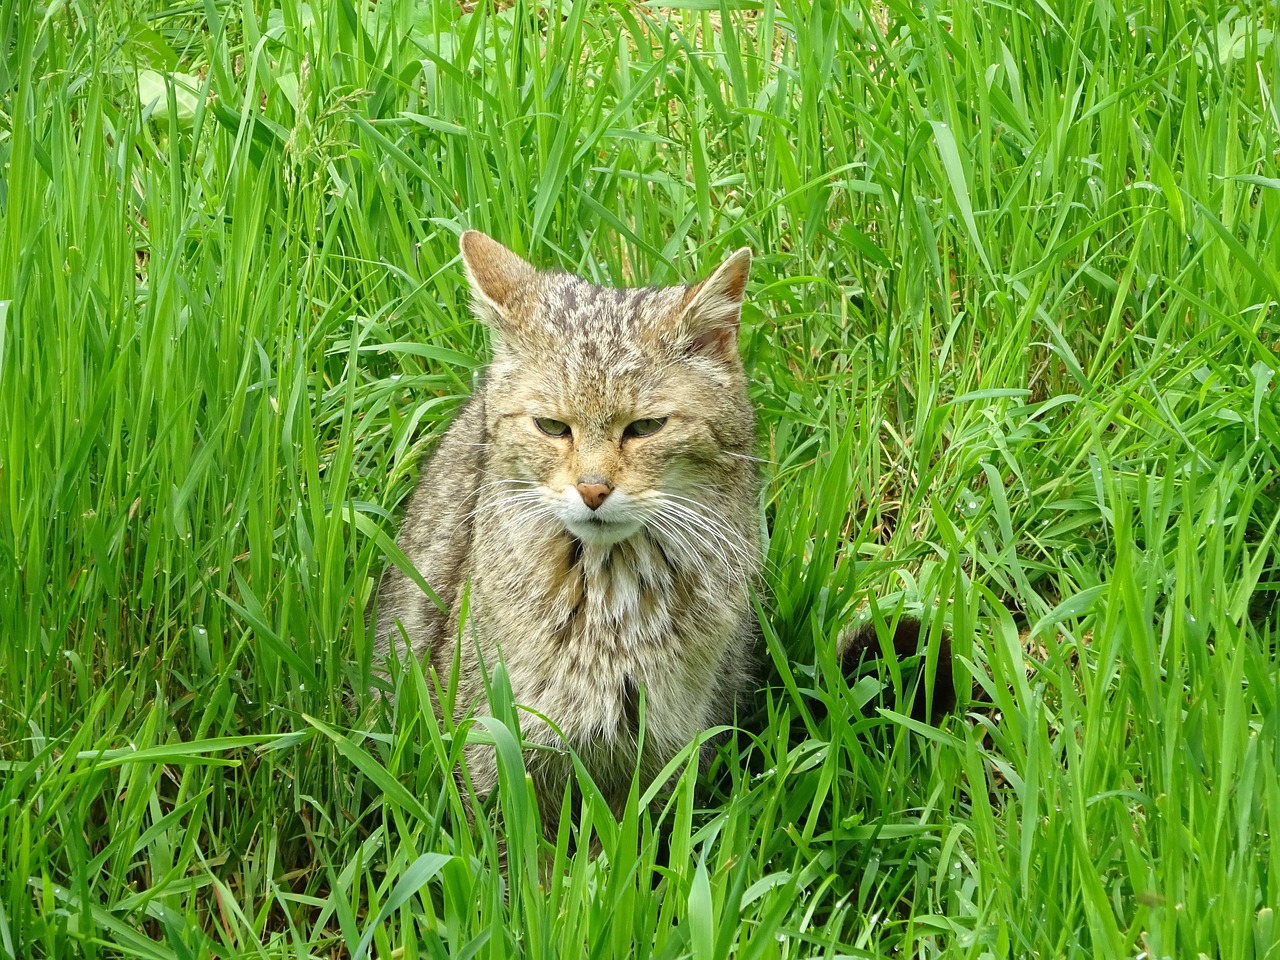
[[594, 509]]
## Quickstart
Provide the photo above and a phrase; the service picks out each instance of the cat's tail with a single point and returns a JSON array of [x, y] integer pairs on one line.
[[860, 646]]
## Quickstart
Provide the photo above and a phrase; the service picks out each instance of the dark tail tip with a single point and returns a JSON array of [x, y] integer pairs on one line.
[[861, 645]]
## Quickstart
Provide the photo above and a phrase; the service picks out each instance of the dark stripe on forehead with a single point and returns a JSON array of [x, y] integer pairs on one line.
[[574, 306], [569, 298], [604, 297]]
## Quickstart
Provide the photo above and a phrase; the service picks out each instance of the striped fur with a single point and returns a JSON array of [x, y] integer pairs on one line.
[[646, 598]]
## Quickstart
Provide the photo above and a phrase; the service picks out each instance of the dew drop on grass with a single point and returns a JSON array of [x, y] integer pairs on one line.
[[200, 634]]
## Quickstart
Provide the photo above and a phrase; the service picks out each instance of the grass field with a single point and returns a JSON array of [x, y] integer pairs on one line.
[[1013, 327]]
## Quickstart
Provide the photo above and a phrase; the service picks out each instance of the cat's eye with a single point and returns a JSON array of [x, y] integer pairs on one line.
[[644, 428], [552, 428]]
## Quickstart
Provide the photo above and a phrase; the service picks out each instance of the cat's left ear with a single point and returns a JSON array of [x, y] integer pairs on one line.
[[709, 321], [497, 275]]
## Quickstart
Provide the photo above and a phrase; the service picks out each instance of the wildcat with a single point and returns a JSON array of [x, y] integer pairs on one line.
[[594, 510]]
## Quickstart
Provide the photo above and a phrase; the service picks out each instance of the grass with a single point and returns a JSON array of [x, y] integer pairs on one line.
[[1013, 331]]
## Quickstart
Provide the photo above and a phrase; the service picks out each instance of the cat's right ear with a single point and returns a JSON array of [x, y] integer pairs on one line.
[[496, 275], [708, 324]]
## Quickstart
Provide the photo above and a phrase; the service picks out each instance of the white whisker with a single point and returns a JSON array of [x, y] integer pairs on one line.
[[709, 516], [506, 482], [515, 503], [675, 539], [716, 535], [676, 523]]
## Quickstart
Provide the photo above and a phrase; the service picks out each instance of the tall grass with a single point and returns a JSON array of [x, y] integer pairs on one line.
[[1013, 331]]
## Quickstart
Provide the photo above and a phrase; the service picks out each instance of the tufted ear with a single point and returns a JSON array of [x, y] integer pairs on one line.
[[496, 275], [708, 325]]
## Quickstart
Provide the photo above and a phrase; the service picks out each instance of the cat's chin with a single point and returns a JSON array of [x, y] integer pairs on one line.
[[602, 533]]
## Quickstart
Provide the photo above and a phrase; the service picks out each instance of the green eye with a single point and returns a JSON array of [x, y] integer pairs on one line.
[[552, 428], [644, 428]]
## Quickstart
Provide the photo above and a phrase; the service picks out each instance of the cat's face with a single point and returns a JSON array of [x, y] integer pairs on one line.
[[614, 410]]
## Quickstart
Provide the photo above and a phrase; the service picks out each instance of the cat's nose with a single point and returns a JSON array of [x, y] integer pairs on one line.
[[593, 494]]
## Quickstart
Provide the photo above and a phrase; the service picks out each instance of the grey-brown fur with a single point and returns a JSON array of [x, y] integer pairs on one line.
[[588, 614]]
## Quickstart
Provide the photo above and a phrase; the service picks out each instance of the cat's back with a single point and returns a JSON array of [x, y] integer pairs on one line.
[[435, 537]]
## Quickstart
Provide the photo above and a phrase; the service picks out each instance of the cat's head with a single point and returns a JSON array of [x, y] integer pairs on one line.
[[613, 409]]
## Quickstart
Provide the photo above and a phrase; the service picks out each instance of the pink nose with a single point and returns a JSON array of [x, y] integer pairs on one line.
[[593, 494]]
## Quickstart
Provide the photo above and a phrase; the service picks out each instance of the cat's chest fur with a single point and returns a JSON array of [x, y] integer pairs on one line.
[[603, 631]]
